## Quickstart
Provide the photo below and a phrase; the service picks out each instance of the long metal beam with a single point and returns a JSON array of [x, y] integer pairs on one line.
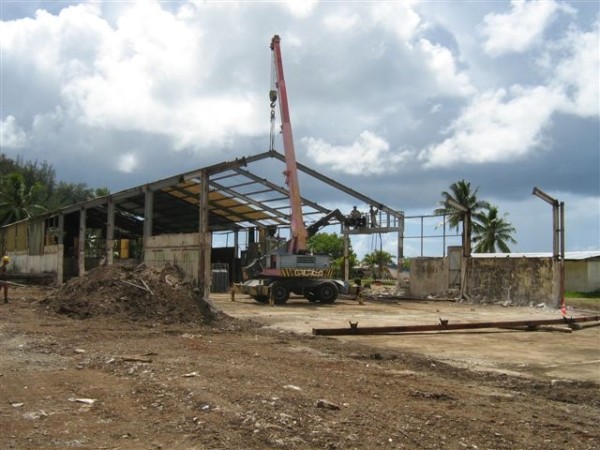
[[340, 186], [444, 325], [249, 200], [279, 189]]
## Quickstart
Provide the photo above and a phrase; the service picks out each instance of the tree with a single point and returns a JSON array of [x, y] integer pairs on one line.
[[40, 179], [377, 261], [333, 245], [492, 231], [19, 201], [461, 193]]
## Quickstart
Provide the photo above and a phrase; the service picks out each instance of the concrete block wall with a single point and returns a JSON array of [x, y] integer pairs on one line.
[[428, 276], [515, 281], [518, 281]]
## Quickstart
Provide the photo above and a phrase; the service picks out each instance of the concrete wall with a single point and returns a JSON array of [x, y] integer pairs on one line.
[[518, 281], [428, 276], [179, 249], [582, 276], [50, 262]]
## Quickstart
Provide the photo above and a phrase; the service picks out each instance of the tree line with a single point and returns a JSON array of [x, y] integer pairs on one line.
[[30, 188]]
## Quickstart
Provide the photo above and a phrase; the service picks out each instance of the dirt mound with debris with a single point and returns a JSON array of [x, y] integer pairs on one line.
[[133, 293]]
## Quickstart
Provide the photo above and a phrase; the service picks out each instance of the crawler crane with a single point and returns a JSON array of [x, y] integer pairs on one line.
[[292, 269]]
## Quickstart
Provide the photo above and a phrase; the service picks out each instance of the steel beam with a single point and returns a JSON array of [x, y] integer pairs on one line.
[[444, 325]]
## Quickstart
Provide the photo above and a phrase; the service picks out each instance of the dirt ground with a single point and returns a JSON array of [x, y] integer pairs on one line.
[[121, 361]]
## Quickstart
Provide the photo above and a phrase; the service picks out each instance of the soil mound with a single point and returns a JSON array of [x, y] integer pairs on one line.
[[133, 293]]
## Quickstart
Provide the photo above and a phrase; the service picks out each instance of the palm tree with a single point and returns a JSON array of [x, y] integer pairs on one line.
[[377, 261], [18, 200], [492, 231], [462, 194]]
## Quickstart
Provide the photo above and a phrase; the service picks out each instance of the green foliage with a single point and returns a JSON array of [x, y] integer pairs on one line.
[[461, 193], [593, 294], [19, 201], [378, 261], [30, 188], [333, 245], [406, 264], [490, 231]]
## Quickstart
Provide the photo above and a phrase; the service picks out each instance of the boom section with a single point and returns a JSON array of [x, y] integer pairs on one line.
[[297, 243]]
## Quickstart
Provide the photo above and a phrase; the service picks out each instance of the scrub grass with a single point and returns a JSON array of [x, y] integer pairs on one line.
[[583, 300]]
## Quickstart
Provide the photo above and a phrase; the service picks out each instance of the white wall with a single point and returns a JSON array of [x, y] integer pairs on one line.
[[50, 262]]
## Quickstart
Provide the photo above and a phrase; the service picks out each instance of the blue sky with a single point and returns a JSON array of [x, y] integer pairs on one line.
[[396, 99]]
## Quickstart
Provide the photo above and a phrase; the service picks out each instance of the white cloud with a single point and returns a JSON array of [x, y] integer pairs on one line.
[[368, 155], [496, 127], [127, 163], [339, 22], [440, 61], [518, 30], [11, 134], [301, 8], [578, 75], [132, 77], [397, 17]]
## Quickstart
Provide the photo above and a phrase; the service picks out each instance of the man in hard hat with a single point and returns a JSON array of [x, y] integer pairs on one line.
[[5, 261]]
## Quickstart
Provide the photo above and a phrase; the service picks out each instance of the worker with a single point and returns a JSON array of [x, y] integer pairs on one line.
[[5, 261], [373, 215], [354, 217]]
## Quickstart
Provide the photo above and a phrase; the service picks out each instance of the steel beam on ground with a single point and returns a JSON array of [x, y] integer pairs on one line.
[[444, 325]]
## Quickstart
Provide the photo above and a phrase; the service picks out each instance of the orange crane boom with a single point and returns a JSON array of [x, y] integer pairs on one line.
[[297, 243]]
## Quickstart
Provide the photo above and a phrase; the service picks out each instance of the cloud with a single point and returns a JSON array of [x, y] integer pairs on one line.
[[497, 126], [520, 29], [301, 8], [441, 63], [127, 163], [397, 17], [368, 155], [11, 134], [341, 22], [131, 77], [576, 75]]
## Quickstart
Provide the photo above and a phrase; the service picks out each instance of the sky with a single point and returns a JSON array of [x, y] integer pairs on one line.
[[397, 100]]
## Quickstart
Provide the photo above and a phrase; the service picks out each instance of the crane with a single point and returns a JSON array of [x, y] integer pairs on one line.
[[297, 243], [277, 274]]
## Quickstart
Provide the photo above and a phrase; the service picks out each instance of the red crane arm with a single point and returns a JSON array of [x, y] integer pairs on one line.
[[298, 239]]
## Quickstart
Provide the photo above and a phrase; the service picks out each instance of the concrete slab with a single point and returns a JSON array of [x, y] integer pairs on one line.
[[557, 355]]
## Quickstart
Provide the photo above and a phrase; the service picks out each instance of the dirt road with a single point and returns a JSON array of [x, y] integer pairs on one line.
[[114, 383]]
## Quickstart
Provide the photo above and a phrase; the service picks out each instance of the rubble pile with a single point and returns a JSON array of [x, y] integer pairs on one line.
[[134, 293]]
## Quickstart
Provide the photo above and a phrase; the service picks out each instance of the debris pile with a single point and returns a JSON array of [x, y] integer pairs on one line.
[[133, 293]]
